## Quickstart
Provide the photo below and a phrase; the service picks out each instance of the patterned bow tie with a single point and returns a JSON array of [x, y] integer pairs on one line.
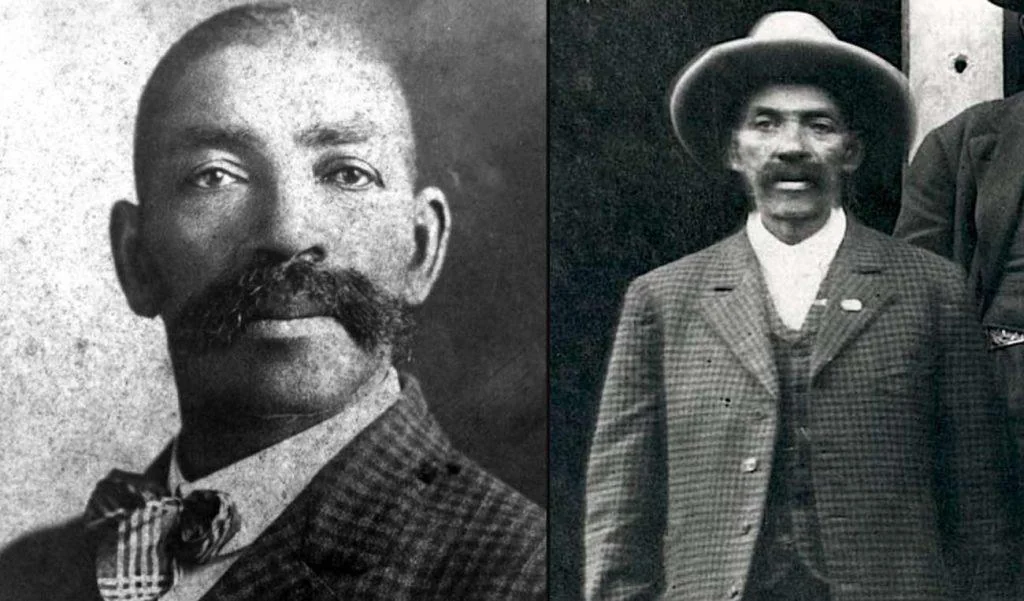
[[144, 534]]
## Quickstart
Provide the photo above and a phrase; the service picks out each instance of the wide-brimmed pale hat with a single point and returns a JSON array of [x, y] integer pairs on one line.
[[791, 47]]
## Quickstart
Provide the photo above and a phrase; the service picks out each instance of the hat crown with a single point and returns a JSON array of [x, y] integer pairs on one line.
[[792, 46], [791, 25]]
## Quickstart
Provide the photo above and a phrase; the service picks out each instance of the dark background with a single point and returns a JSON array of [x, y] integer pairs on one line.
[[624, 197], [475, 76]]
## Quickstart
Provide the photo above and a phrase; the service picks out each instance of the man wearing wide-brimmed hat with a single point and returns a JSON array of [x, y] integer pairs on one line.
[[800, 411], [962, 200]]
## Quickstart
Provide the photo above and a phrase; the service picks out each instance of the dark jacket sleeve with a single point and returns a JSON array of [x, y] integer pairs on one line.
[[625, 491], [928, 210], [52, 564]]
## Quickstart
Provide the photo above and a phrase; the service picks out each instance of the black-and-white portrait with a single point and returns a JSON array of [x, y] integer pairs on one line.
[[757, 390], [274, 300]]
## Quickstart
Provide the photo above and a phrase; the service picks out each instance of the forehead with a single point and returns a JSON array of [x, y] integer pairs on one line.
[[792, 98], [282, 88]]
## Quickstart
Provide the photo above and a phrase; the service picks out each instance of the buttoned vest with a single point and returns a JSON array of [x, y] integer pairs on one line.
[[790, 535]]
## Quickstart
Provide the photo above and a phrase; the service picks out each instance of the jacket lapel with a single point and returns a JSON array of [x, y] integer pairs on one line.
[[858, 289], [1000, 189], [273, 565], [158, 469], [348, 519], [733, 302]]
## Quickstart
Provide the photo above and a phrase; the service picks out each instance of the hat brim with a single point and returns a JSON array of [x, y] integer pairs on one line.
[[708, 93]]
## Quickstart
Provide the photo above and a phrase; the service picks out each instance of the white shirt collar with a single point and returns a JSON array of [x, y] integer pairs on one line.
[[821, 246], [264, 484], [793, 273]]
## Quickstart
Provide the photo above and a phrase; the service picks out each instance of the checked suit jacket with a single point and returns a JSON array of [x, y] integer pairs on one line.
[[398, 514], [909, 462]]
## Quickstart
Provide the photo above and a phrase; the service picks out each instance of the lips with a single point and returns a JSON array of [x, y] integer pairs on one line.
[[291, 306], [791, 178]]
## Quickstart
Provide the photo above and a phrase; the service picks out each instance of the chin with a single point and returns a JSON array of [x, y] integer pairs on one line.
[[274, 378], [796, 209]]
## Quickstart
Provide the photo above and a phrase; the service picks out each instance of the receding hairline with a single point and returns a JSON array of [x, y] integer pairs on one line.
[[258, 26]]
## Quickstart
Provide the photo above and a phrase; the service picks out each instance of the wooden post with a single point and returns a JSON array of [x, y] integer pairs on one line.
[[953, 55]]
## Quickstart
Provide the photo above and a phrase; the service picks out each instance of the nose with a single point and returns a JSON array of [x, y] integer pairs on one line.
[[286, 225], [791, 143]]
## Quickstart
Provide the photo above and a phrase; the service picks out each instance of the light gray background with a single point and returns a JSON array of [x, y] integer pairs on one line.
[[85, 385]]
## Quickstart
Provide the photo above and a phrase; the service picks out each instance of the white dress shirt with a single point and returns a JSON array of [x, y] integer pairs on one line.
[[264, 484], [793, 273]]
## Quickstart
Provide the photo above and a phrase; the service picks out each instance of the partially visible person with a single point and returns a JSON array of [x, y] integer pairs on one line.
[[962, 199]]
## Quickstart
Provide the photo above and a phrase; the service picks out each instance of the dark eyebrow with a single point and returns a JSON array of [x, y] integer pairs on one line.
[[318, 135], [821, 114], [336, 134], [201, 136], [803, 115]]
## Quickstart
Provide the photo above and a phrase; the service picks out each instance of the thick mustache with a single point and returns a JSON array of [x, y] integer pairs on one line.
[[219, 314], [778, 172]]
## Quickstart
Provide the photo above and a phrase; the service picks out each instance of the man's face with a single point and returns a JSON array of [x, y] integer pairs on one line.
[[272, 156], [794, 152]]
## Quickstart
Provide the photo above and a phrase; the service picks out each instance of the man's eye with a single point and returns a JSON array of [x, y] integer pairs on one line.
[[353, 175], [213, 177], [823, 127], [764, 123]]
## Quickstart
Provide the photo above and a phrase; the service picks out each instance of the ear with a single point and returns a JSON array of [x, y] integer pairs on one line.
[[854, 153], [135, 270], [432, 226], [731, 158]]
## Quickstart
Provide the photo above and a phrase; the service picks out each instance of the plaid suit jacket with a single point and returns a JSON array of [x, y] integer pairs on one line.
[[909, 462], [398, 514]]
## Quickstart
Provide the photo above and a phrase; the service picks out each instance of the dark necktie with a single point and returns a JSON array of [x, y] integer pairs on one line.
[[144, 534]]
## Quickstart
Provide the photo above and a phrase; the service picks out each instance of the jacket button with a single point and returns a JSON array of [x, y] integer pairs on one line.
[[746, 527], [749, 465], [734, 591]]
